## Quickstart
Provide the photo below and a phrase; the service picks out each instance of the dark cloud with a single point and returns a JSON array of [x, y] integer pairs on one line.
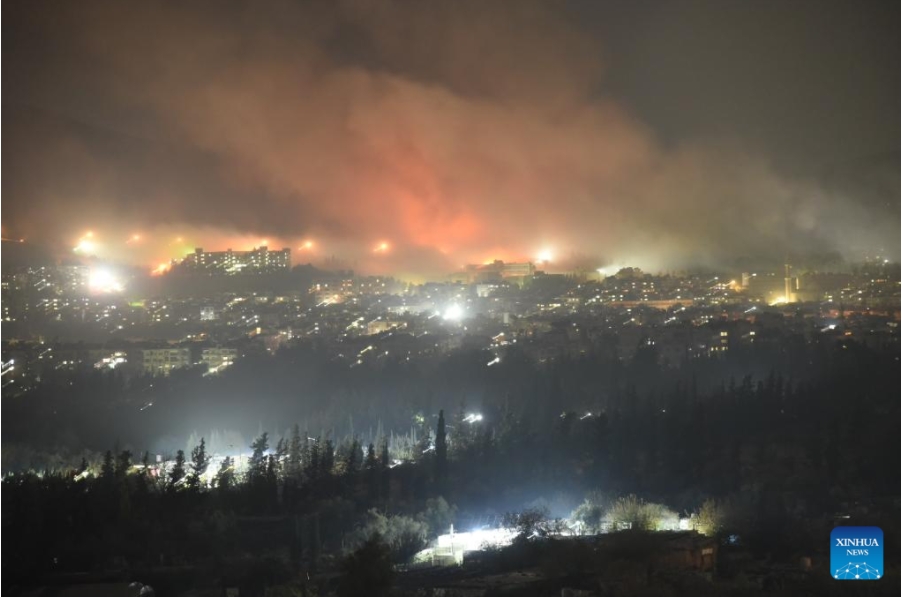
[[458, 132]]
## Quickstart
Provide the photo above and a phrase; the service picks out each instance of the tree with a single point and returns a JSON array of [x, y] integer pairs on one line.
[[441, 446], [123, 463], [383, 453], [631, 512], [281, 456], [371, 467], [295, 454], [200, 461], [527, 523], [385, 470], [257, 466], [370, 464], [144, 476], [177, 473], [405, 536], [439, 515], [367, 571], [352, 460], [590, 514], [107, 469], [225, 477], [327, 458], [311, 466]]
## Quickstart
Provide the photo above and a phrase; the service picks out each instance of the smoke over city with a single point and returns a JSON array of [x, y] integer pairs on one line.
[[390, 136]]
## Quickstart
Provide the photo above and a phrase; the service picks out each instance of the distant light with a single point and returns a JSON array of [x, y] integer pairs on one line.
[[85, 245], [453, 312], [306, 245], [381, 247], [104, 281], [545, 256]]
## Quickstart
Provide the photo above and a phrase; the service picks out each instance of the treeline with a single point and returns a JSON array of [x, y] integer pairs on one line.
[[311, 383], [788, 447], [300, 502]]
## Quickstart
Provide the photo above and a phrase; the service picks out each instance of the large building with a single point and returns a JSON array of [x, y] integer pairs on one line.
[[259, 260], [495, 272], [163, 361], [218, 358]]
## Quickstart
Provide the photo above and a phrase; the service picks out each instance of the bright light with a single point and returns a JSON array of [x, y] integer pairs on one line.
[[609, 270], [306, 245], [473, 417], [103, 281], [381, 247], [545, 256], [453, 312], [134, 239], [160, 269], [85, 245], [477, 539]]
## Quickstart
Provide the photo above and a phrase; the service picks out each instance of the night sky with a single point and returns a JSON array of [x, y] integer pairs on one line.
[[660, 134]]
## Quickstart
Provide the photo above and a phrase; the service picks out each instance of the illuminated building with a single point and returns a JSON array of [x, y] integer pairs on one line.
[[218, 358], [788, 294], [259, 260], [379, 326], [163, 361], [764, 286], [497, 271]]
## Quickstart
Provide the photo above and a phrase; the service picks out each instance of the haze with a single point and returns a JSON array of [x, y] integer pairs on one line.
[[454, 133]]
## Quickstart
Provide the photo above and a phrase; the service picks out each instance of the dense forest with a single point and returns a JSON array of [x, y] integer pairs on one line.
[[774, 457]]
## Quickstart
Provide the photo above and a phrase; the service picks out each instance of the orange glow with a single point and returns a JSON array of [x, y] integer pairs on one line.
[[306, 245], [134, 238], [381, 247], [161, 269], [85, 244]]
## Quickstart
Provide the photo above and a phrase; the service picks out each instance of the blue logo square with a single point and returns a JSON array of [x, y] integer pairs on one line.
[[856, 553]]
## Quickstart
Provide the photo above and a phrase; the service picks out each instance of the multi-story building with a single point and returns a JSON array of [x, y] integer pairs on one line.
[[496, 271], [259, 260], [218, 358], [379, 326], [163, 361]]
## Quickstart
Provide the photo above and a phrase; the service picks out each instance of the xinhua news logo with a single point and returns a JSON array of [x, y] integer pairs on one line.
[[856, 553]]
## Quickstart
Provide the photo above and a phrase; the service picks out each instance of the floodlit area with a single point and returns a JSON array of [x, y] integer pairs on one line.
[[451, 548]]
